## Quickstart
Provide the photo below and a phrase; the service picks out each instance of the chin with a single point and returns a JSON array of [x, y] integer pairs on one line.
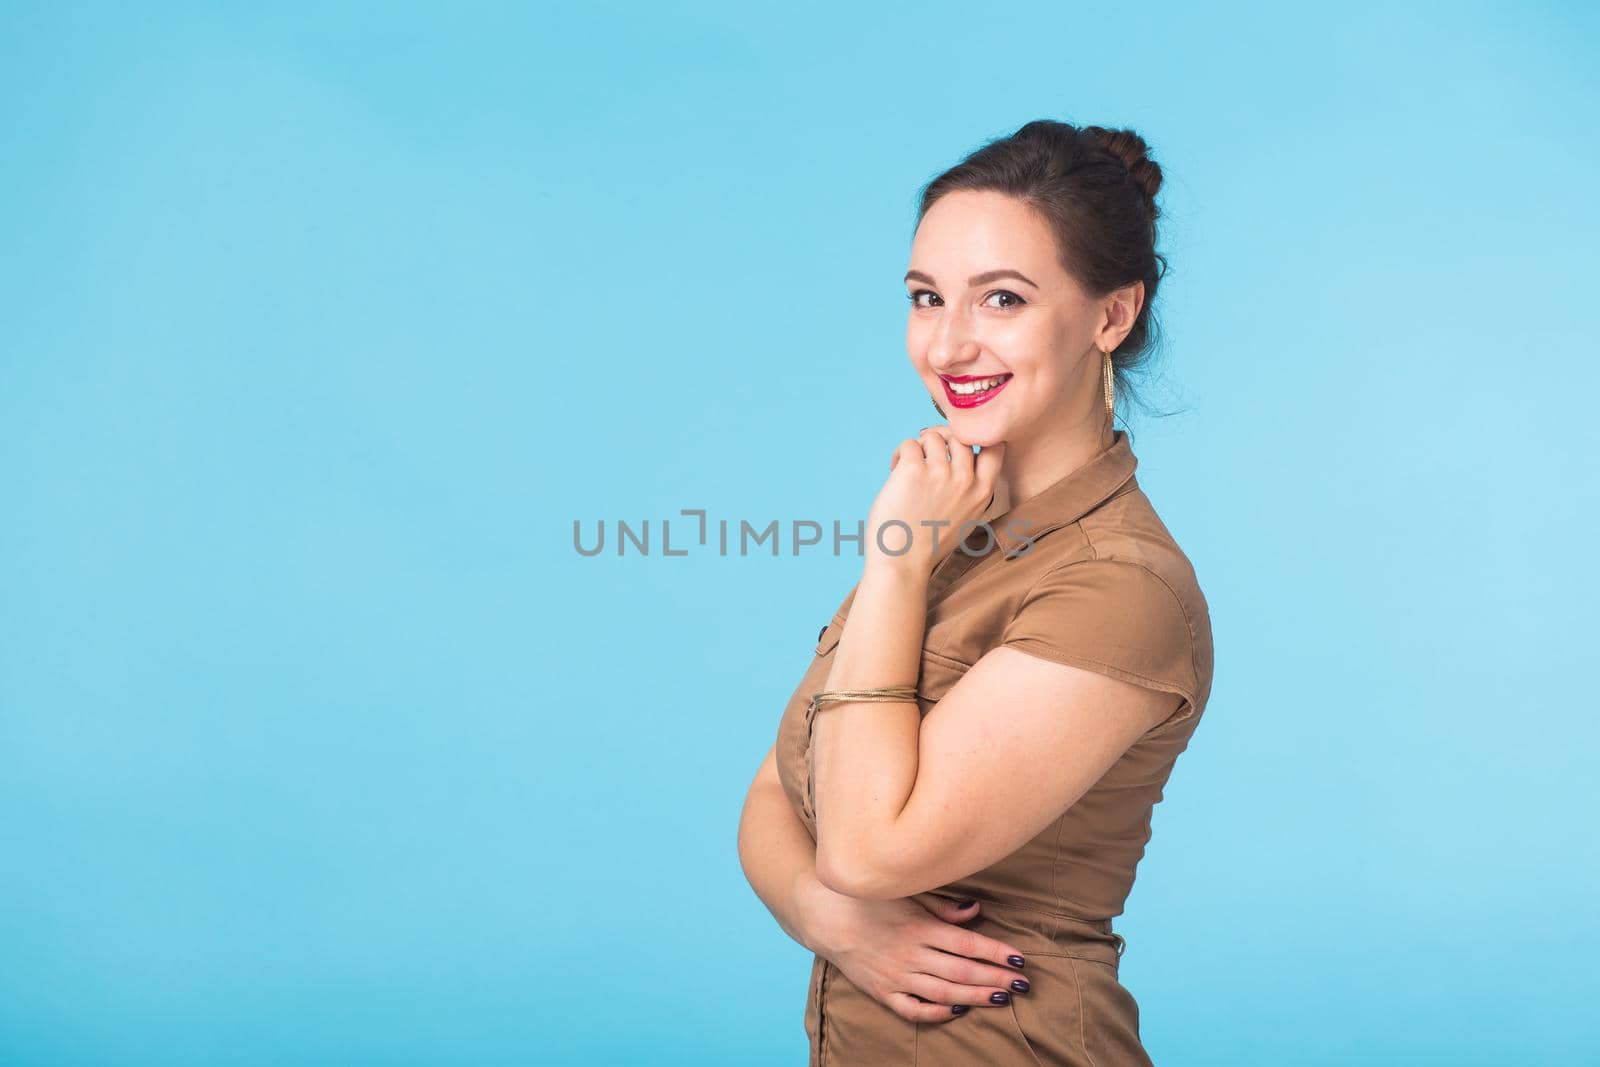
[[980, 436]]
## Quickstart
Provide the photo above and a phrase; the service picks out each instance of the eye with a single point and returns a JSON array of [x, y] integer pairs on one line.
[[915, 293], [1006, 292]]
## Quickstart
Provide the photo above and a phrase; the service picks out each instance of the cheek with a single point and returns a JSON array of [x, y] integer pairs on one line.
[[1034, 354], [1043, 388], [917, 347], [1033, 342]]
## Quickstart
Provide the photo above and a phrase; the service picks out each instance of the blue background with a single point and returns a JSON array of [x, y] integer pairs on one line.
[[320, 743]]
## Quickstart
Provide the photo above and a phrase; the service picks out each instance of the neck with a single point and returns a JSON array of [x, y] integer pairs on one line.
[[1033, 466]]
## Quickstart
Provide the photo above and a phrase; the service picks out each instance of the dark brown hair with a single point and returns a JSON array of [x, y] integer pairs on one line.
[[1096, 188]]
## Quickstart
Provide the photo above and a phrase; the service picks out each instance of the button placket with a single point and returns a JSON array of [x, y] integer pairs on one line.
[[952, 570]]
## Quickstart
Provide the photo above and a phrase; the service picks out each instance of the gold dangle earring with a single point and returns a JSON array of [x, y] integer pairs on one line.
[[1111, 389]]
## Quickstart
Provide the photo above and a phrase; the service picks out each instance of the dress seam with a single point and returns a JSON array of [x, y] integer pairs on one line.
[[1055, 862], [1041, 911], [1083, 1033]]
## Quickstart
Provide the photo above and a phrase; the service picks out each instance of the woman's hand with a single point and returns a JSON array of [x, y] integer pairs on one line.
[[935, 485], [897, 951]]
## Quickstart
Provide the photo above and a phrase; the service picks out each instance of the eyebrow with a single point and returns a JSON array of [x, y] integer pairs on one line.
[[976, 279]]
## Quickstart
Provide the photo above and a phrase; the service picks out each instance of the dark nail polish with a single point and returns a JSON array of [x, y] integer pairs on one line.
[[1000, 998], [965, 903], [1020, 985], [959, 1009], [1015, 961]]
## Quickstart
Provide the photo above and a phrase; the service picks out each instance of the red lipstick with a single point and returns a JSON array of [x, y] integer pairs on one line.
[[972, 400]]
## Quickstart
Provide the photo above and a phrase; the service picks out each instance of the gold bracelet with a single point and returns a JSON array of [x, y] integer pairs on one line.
[[885, 694]]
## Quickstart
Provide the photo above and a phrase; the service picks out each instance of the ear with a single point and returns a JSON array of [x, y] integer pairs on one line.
[[1121, 312]]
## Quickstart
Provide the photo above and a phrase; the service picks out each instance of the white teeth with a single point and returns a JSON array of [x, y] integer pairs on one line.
[[968, 388]]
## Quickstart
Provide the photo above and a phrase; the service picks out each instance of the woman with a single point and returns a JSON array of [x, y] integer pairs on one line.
[[999, 713]]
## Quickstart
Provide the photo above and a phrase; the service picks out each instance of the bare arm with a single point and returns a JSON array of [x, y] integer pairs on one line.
[[779, 857], [906, 803], [912, 954]]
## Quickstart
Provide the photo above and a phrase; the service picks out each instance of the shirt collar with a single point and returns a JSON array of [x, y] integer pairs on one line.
[[1069, 499]]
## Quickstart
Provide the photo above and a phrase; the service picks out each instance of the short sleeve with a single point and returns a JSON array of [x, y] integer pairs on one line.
[[1115, 618]]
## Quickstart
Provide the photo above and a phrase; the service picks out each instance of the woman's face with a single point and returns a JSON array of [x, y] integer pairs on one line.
[[990, 300]]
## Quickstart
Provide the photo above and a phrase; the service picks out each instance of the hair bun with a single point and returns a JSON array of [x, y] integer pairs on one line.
[[1129, 149]]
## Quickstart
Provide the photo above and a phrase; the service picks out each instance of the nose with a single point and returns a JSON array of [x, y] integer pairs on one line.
[[950, 339], [952, 345], [952, 360]]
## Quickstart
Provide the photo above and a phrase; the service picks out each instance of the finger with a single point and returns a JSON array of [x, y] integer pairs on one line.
[[909, 1007], [949, 910], [934, 444], [961, 458], [909, 450], [987, 466], [934, 988], [961, 941], [963, 463], [961, 971]]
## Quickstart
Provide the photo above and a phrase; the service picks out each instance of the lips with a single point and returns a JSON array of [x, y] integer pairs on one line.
[[976, 389]]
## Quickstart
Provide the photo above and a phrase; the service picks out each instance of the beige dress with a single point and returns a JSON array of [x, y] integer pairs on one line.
[[1086, 574]]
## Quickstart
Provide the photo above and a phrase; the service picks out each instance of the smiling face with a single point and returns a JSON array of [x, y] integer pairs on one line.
[[1001, 335]]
